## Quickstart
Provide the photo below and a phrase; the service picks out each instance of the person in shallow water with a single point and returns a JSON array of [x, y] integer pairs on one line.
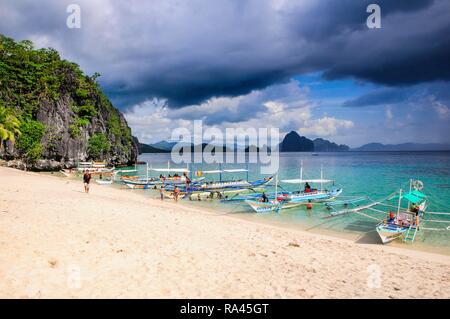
[[176, 192]]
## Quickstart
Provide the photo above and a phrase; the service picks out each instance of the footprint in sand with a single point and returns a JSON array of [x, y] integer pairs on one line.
[[53, 263]]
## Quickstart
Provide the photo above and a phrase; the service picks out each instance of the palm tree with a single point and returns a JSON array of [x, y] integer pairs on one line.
[[9, 125]]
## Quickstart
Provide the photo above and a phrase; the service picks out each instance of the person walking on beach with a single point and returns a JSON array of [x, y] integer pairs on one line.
[[161, 192], [86, 180], [176, 192]]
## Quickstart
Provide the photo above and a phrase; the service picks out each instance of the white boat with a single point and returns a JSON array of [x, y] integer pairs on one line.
[[406, 222], [104, 181], [285, 200], [147, 182], [395, 221]]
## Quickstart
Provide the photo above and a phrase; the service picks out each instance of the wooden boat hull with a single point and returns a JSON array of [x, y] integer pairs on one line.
[[136, 184], [264, 207], [314, 197], [390, 232]]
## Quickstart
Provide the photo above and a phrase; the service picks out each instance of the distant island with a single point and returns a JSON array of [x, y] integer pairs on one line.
[[292, 142], [404, 147]]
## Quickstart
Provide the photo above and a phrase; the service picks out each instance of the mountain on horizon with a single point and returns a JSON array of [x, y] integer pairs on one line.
[[378, 147], [163, 145], [322, 145], [292, 142]]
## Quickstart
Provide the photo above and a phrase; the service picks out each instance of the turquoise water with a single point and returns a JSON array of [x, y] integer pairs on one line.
[[374, 174]]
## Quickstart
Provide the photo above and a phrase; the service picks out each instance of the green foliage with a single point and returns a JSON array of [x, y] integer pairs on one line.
[[82, 93], [27, 76], [114, 124], [81, 122], [74, 131], [9, 125], [98, 146], [29, 143], [86, 112]]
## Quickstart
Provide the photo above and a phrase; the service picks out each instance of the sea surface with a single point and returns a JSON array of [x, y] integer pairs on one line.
[[373, 174]]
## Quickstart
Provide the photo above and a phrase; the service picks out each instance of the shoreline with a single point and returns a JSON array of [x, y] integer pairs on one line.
[[354, 237], [141, 247]]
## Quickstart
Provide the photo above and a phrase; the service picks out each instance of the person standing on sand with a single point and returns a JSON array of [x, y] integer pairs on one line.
[[86, 180], [161, 192], [176, 192]]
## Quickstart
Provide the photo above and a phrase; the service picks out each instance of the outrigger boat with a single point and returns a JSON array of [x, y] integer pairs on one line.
[[104, 181], [152, 182], [401, 222], [286, 200], [221, 189], [94, 168]]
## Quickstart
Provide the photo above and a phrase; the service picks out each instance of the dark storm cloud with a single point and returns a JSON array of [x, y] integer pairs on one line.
[[377, 97], [398, 95], [189, 51]]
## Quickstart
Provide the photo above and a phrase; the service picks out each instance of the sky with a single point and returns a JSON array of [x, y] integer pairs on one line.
[[312, 66]]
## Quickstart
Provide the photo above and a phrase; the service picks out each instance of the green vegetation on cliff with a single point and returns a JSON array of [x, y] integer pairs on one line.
[[57, 108], [98, 146], [9, 125]]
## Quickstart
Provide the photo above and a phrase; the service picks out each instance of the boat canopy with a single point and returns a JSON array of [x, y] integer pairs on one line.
[[218, 171], [170, 170], [300, 181], [418, 194], [235, 170], [412, 198], [211, 172]]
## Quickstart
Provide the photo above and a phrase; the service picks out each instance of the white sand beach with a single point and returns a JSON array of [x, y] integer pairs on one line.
[[57, 241]]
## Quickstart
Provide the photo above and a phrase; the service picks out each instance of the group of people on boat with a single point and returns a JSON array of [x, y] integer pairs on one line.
[[403, 220]]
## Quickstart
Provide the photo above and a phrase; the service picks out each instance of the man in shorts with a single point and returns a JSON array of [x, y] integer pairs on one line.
[[86, 180]]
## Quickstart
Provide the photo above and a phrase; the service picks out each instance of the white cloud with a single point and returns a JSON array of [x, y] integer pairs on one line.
[[324, 127], [284, 106], [441, 110]]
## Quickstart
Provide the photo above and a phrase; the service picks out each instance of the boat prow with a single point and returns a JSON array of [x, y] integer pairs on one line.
[[104, 182], [390, 232], [264, 207]]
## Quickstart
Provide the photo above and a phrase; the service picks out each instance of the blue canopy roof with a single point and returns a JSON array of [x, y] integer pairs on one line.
[[412, 198]]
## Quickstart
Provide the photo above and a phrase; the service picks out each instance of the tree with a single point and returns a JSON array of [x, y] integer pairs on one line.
[[29, 143], [98, 146], [9, 125]]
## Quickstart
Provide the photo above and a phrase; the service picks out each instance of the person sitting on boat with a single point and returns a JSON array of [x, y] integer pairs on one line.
[[414, 208], [307, 188], [264, 198], [391, 217]]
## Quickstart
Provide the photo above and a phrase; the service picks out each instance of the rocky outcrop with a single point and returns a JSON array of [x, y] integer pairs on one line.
[[322, 145], [75, 120], [60, 148], [293, 142]]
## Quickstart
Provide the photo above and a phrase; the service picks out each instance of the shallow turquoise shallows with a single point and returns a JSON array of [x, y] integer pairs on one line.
[[375, 174]]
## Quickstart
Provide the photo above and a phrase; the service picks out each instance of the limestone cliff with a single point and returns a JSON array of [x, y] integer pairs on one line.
[[64, 115]]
